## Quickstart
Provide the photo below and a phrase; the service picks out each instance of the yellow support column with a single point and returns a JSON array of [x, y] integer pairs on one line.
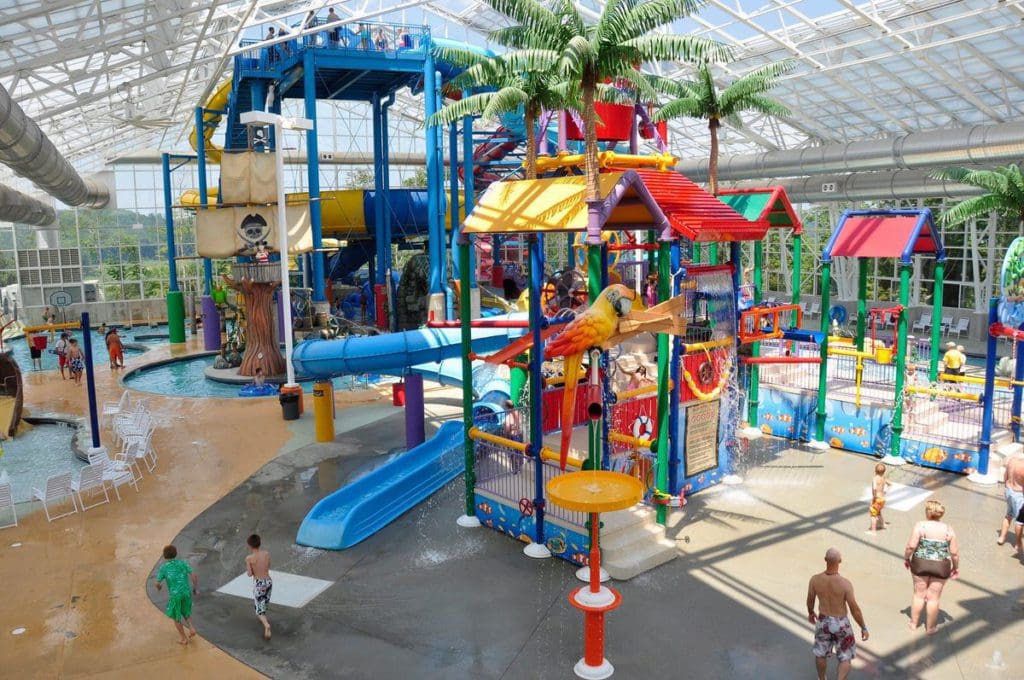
[[323, 410]]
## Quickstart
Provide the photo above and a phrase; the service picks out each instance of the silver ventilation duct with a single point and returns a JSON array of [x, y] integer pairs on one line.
[[865, 186], [981, 145], [17, 207], [31, 154]]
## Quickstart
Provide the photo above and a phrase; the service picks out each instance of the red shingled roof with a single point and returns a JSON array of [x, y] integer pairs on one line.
[[696, 214]]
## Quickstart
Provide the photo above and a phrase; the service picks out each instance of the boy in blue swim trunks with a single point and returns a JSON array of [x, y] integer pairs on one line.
[[181, 585]]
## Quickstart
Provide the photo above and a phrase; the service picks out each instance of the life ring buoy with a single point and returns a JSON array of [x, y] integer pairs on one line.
[[643, 427]]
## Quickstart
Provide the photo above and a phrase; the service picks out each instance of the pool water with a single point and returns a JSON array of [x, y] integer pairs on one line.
[[32, 456], [19, 347], [185, 377]]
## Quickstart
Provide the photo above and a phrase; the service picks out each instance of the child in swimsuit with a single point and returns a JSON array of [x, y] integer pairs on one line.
[[257, 565], [181, 585], [878, 486], [76, 361]]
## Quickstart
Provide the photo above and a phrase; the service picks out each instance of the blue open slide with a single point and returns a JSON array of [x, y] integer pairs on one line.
[[356, 511], [364, 507]]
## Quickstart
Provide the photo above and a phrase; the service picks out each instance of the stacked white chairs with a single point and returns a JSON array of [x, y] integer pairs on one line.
[[7, 504], [117, 472], [91, 478], [112, 409], [57, 488], [962, 326]]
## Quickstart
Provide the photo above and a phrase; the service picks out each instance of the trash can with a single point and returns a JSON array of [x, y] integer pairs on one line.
[[290, 406]]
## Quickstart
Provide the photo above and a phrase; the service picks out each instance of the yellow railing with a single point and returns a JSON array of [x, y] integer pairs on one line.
[[966, 396], [476, 434], [637, 442], [691, 347], [607, 159], [975, 380]]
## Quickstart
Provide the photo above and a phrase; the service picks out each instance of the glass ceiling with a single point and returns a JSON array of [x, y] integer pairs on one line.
[[105, 77]]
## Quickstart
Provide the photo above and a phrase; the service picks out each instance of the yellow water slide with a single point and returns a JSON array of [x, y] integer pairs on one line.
[[219, 102]]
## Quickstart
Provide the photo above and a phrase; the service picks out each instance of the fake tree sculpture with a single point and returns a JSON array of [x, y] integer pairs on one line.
[[257, 283]]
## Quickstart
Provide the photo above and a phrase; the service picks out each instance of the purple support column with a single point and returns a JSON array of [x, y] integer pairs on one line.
[[414, 435], [280, 316], [211, 325], [562, 119]]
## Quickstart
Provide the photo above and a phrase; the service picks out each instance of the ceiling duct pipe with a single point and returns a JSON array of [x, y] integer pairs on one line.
[[980, 145], [17, 207], [31, 154], [866, 186]]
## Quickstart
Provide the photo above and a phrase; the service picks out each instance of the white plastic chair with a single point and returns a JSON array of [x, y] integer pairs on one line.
[[111, 409], [947, 322], [91, 479], [58, 487], [7, 503], [924, 323], [116, 472], [815, 309], [961, 327], [141, 448]]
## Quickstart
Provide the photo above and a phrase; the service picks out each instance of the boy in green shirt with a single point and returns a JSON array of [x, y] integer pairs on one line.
[[181, 585]]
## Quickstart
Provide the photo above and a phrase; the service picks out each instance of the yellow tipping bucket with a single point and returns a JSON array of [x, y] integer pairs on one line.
[[883, 355]]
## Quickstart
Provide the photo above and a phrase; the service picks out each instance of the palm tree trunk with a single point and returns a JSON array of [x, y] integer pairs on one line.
[[590, 134], [530, 118], [713, 160]]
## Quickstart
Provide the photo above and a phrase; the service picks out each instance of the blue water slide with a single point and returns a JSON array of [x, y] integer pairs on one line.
[[386, 353], [364, 507]]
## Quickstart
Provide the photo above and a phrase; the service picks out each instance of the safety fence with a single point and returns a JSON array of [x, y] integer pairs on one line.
[[379, 38], [800, 376], [510, 476]]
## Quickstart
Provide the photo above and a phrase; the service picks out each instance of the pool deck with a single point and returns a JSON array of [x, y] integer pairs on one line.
[[424, 598], [76, 585]]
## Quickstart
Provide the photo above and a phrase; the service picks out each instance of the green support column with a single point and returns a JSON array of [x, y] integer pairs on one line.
[[594, 288], [664, 293], [797, 238], [652, 256], [713, 254], [826, 284], [862, 300], [467, 372], [755, 350], [933, 363], [517, 380], [901, 361], [697, 248], [175, 316]]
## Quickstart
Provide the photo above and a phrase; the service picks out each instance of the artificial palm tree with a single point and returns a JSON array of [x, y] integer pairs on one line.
[[559, 39], [702, 99], [508, 89], [1004, 193]]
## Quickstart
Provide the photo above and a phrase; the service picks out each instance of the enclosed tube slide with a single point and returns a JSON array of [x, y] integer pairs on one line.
[[31, 154], [18, 207], [386, 353]]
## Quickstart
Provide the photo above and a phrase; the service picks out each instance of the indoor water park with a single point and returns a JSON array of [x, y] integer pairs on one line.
[[477, 339]]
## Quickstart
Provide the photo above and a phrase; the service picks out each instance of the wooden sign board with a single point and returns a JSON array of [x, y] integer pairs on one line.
[[701, 452]]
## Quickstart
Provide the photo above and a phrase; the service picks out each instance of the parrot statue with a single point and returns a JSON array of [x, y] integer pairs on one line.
[[590, 329]]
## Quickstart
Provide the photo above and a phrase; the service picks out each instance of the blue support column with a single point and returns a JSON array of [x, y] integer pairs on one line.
[[175, 300], [90, 381], [453, 195], [1018, 376], [536, 381], [385, 173], [203, 193], [378, 191], [673, 412], [435, 179], [985, 443], [313, 162]]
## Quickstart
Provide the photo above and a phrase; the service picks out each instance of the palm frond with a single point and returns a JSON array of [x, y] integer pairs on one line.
[[577, 54], [676, 48], [531, 15], [644, 17], [686, 107], [455, 111], [755, 102], [516, 37], [505, 100], [978, 206], [458, 56]]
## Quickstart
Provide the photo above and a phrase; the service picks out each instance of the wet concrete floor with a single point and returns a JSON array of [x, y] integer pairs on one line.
[[424, 598]]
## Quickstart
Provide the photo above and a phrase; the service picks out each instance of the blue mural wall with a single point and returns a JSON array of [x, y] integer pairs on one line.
[[863, 430], [572, 546]]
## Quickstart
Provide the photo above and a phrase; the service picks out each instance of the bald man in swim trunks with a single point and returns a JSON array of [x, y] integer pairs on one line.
[[833, 633]]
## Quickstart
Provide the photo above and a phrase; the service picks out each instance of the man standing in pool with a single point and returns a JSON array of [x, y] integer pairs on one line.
[[833, 633], [115, 349]]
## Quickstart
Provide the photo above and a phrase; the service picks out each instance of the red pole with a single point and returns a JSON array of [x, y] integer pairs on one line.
[[595, 556], [482, 323], [780, 360]]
